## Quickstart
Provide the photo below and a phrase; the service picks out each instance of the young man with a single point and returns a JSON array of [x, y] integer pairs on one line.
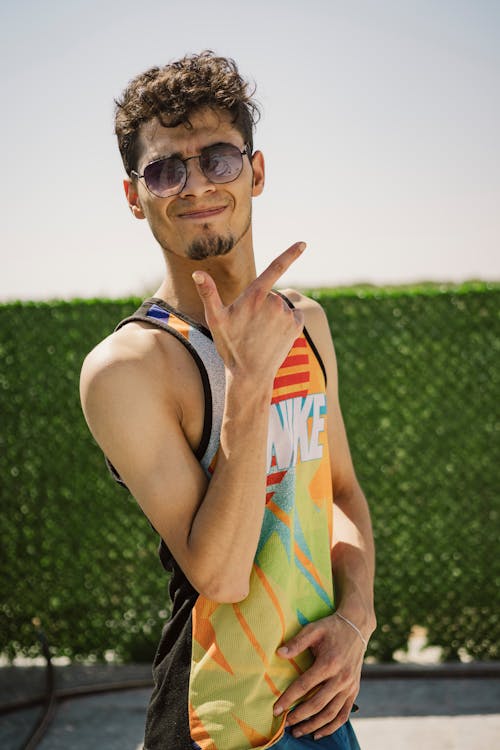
[[217, 406]]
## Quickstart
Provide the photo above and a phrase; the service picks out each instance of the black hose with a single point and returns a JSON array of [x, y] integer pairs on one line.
[[49, 709], [51, 696], [78, 692]]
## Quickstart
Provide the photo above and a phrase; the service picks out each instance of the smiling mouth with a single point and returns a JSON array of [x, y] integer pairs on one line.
[[202, 213]]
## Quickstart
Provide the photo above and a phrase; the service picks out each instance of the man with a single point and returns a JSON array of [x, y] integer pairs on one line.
[[211, 404]]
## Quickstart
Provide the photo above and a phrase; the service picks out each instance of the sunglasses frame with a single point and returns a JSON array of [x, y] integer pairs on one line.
[[246, 150]]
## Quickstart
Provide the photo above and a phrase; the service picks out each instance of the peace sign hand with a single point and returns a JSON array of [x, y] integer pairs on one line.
[[254, 333]]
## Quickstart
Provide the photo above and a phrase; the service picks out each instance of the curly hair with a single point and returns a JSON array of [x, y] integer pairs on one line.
[[175, 91]]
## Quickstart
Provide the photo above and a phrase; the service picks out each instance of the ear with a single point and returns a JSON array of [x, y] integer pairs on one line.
[[133, 198], [258, 173]]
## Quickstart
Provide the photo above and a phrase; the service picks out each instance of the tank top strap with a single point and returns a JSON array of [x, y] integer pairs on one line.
[[306, 335], [197, 340]]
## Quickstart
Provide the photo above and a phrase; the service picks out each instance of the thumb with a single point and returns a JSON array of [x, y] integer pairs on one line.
[[206, 288]]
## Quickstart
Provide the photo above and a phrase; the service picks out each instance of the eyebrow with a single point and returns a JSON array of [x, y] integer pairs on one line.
[[173, 155], [180, 155]]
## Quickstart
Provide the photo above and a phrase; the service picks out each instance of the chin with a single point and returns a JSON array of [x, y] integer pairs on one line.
[[210, 247]]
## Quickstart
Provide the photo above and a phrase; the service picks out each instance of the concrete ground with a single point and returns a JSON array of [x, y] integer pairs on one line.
[[439, 710], [431, 712]]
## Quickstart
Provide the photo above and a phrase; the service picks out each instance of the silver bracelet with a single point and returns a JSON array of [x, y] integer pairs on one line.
[[354, 627]]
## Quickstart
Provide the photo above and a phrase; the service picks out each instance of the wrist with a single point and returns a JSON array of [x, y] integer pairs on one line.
[[249, 388], [354, 628], [362, 616]]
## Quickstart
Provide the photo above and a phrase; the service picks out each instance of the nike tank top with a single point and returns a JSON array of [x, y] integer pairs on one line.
[[216, 672]]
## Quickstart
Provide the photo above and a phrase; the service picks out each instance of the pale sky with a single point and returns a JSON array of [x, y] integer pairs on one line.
[[380, 128]]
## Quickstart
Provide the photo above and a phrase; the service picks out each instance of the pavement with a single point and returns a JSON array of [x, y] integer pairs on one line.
[[443, 707]]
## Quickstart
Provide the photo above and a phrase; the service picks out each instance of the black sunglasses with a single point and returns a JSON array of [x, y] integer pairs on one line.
[[220, 163]]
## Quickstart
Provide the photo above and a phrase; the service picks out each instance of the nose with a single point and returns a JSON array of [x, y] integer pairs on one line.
[[196, 182]]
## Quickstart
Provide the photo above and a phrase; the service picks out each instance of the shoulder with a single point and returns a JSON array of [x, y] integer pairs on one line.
[[128, 349], [308, 305], [137, 358], [315, 319]]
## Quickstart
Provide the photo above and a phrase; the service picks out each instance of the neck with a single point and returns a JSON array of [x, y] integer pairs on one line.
[[232, 274]]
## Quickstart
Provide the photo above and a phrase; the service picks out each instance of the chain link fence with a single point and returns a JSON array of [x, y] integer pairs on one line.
[[419, 391]]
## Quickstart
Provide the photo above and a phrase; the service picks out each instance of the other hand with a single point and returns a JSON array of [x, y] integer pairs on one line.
[[333, 678]]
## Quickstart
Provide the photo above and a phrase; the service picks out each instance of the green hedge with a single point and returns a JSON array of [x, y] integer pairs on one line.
[[418, 373]]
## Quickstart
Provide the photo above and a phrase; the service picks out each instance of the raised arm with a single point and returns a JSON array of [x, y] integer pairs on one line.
[[134, 402]]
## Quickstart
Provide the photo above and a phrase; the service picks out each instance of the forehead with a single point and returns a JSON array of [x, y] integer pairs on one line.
[[208, 126]]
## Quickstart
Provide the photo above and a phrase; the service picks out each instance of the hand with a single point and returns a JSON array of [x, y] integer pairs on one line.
[[254, 334], [334, 677]]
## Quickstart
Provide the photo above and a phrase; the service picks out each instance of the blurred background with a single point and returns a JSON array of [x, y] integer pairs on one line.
[[380, 130]]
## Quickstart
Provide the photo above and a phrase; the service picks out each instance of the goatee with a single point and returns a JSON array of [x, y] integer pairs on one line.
[[210, 247]]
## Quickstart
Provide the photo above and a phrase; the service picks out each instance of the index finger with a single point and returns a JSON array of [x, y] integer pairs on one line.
[[279, 265]]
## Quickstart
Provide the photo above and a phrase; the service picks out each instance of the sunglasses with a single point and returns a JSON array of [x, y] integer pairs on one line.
[[219, 163]]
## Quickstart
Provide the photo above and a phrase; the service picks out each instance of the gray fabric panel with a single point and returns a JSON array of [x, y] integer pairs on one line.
[[216, 376]]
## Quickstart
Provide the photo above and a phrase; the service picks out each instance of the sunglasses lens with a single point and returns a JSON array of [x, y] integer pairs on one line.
[[221, 163], [165, 176]]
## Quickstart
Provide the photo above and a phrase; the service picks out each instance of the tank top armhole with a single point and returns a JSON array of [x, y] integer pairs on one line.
[[307, 337], [207, 420]]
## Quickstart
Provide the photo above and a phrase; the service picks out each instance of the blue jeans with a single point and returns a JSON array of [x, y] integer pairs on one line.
[[343, 739]]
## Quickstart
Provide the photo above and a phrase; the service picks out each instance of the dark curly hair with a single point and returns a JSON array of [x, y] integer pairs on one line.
[[175, 91]]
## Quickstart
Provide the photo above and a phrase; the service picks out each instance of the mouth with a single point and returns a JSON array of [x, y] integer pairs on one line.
[[202, 213]]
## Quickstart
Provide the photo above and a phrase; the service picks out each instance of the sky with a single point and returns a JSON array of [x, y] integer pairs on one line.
[[380, 129]]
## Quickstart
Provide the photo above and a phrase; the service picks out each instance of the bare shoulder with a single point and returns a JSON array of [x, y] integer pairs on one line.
[[132, 350], [115, 372], [137, 362], [315, 318], [142, 378]]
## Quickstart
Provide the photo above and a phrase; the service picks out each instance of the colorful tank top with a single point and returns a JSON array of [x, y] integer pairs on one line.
[[216, 671]]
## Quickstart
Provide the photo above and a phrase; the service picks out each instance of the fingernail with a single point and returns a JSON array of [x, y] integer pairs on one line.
[[197, 277], [283, 650], [318, 736], [297, 733], [302, 247], [277, 710]]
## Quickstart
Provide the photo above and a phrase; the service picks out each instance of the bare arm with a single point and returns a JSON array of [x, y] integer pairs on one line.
[[337, 648], [212, 528]]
